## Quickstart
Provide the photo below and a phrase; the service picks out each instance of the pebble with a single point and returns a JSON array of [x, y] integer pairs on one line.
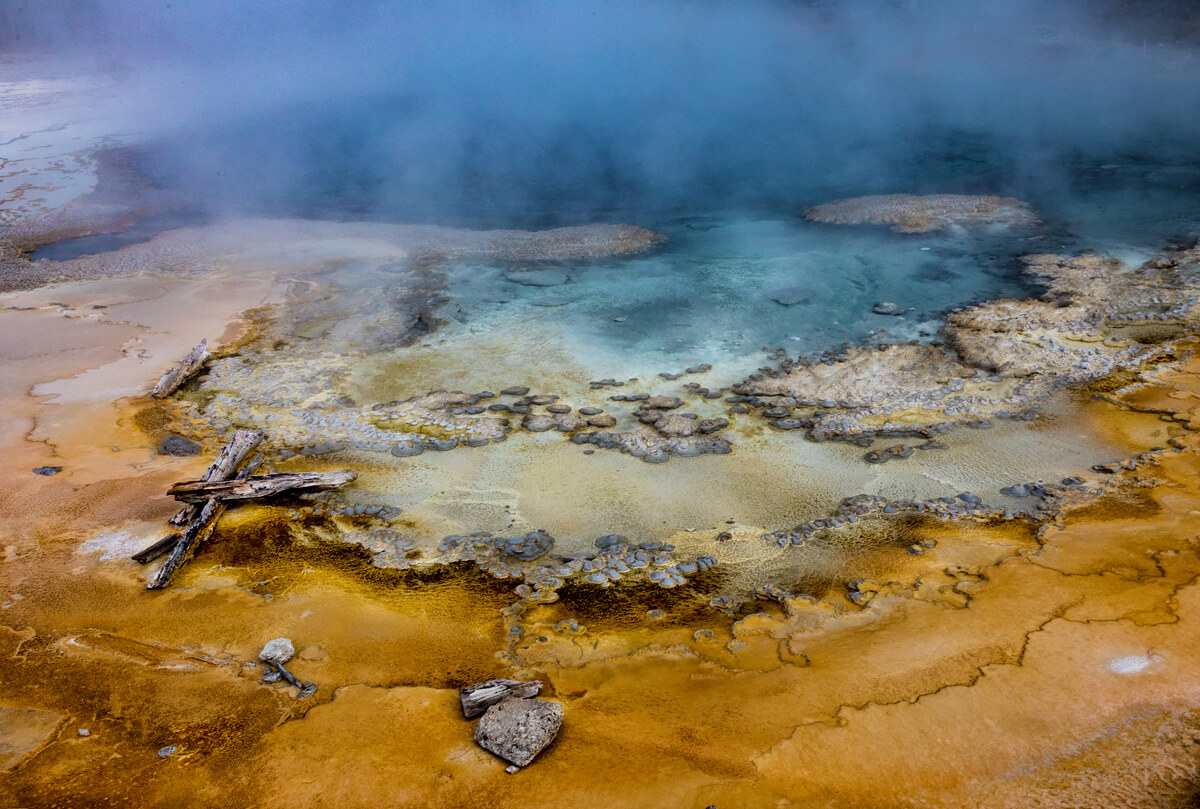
[[169, 750], [47, 471], [84, 732]]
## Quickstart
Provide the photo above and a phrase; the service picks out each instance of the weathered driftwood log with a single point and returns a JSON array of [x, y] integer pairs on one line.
[[198, 530], [477, 698], [223, 468], [197, 491], [156, 550], [181, 371]]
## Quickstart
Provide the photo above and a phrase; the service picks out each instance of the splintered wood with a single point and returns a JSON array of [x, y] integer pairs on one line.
[[198, 491], [223, 468], [207, 500], [181, 371]]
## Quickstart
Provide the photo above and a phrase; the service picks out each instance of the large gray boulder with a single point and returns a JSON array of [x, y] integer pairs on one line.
[[517, 729]]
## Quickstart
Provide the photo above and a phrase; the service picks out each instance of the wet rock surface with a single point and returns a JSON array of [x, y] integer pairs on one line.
[[537, 278], [793, 296], [517, 730], [908, 213], [179, 446]]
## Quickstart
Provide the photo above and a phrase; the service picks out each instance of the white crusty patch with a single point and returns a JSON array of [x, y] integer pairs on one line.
[[1131, 664]]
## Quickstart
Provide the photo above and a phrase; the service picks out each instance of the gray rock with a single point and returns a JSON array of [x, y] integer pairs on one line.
[[179, 446], [537, 278], [47, 471], [886, 308], [792, 296], [525, 548], [517, 730], [277, 652]]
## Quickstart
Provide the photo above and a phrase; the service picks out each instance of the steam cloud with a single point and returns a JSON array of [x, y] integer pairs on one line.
[[588, 106]]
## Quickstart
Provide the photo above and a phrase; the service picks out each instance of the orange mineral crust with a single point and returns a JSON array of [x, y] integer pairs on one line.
[[913, 659]]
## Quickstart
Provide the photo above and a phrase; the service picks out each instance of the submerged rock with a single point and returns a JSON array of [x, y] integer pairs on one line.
[[178, 446], [517, 730], [792, 296], [525, 548], [888, 308], [909, 213], [537, 278]]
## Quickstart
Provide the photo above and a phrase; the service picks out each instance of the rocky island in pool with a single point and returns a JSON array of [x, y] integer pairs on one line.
[[622, 406]]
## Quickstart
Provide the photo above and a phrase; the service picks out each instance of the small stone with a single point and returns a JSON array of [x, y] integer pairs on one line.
[[724, 536], [47, 471], [277, 652], [537, 278], [517, 729], [887, 308], [84, 732], [515, 391], [792, 296], [512, 768], [178, 446], [610, 541], [169, 750]]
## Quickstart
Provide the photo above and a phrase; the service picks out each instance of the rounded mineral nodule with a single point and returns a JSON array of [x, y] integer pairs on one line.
[[278, 651]]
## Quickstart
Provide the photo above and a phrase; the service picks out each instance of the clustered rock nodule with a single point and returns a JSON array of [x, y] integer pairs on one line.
[[1000, 359], [615, 558]]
